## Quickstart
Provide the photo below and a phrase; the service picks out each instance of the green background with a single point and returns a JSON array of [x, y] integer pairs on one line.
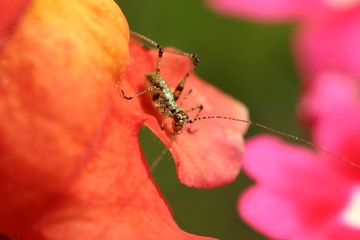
[[252, 62]]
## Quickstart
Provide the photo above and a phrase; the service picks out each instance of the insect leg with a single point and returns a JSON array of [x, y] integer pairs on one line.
[[158, 65], [140, 93], [157, 71], [155, 44], [186, 97], [195, 60], [200, 108], [162, 124]]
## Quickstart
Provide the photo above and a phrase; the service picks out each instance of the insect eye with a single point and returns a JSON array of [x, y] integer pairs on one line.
[[172, 110]]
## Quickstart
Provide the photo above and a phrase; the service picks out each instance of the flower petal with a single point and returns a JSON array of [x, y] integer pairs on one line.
[[331, 44], [334, 118], [113, 195], [299, 188], [261, 213], [332, 91], [273, 10], [10, 12], [55, 95]]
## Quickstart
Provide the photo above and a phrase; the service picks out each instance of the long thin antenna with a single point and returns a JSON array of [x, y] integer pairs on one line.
[[279, 133]]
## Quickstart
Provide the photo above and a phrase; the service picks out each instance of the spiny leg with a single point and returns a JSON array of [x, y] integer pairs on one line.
[[195, 60], [155, 44], [186, 97], [200, 108], [158, 65]]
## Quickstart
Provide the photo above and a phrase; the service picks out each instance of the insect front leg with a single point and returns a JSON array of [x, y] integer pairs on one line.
[[140, 93], [186, 97], [162, 124], [199, 108]]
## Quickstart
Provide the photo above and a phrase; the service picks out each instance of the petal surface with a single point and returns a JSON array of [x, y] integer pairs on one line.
[[10, 12], [334, 118], [274, 10], [293, 197], [330, 45]]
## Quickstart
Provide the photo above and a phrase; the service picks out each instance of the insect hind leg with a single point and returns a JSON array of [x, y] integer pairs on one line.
[[195, 60], [155, 44], [158, 65]]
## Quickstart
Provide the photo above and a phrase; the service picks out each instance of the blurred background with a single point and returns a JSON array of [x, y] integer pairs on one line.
[[253, 63]]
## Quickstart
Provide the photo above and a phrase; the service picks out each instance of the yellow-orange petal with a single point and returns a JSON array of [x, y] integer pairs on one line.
[[57, 70]]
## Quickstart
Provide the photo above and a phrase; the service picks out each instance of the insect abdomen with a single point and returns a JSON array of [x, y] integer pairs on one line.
[[161, 97]]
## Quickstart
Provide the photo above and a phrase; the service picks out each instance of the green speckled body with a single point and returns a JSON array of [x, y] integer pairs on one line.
[[164, 101], [162, 98]]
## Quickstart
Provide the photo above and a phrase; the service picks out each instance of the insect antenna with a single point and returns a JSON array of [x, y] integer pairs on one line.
[[279, 133], [138, 94]]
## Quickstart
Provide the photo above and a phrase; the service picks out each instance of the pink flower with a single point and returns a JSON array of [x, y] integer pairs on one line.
[[282, 10], [332, 95], [332, 44], [329, 33], [331, 106], [298, 196], [301, 194]]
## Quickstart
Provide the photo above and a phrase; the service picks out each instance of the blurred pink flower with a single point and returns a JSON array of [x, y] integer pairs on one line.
[[332, 95], [332, 44], [305, 195], [298, 196], [329, 34], [282, 10], [331, 106]]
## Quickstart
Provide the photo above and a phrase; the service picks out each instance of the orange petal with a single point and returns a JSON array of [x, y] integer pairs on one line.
[[57, 69], [71, 165]]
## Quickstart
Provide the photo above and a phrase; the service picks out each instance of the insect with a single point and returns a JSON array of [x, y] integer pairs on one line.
[[165, 101], [162, 98]]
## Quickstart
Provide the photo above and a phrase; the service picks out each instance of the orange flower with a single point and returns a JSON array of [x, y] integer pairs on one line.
[[70, 162]]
